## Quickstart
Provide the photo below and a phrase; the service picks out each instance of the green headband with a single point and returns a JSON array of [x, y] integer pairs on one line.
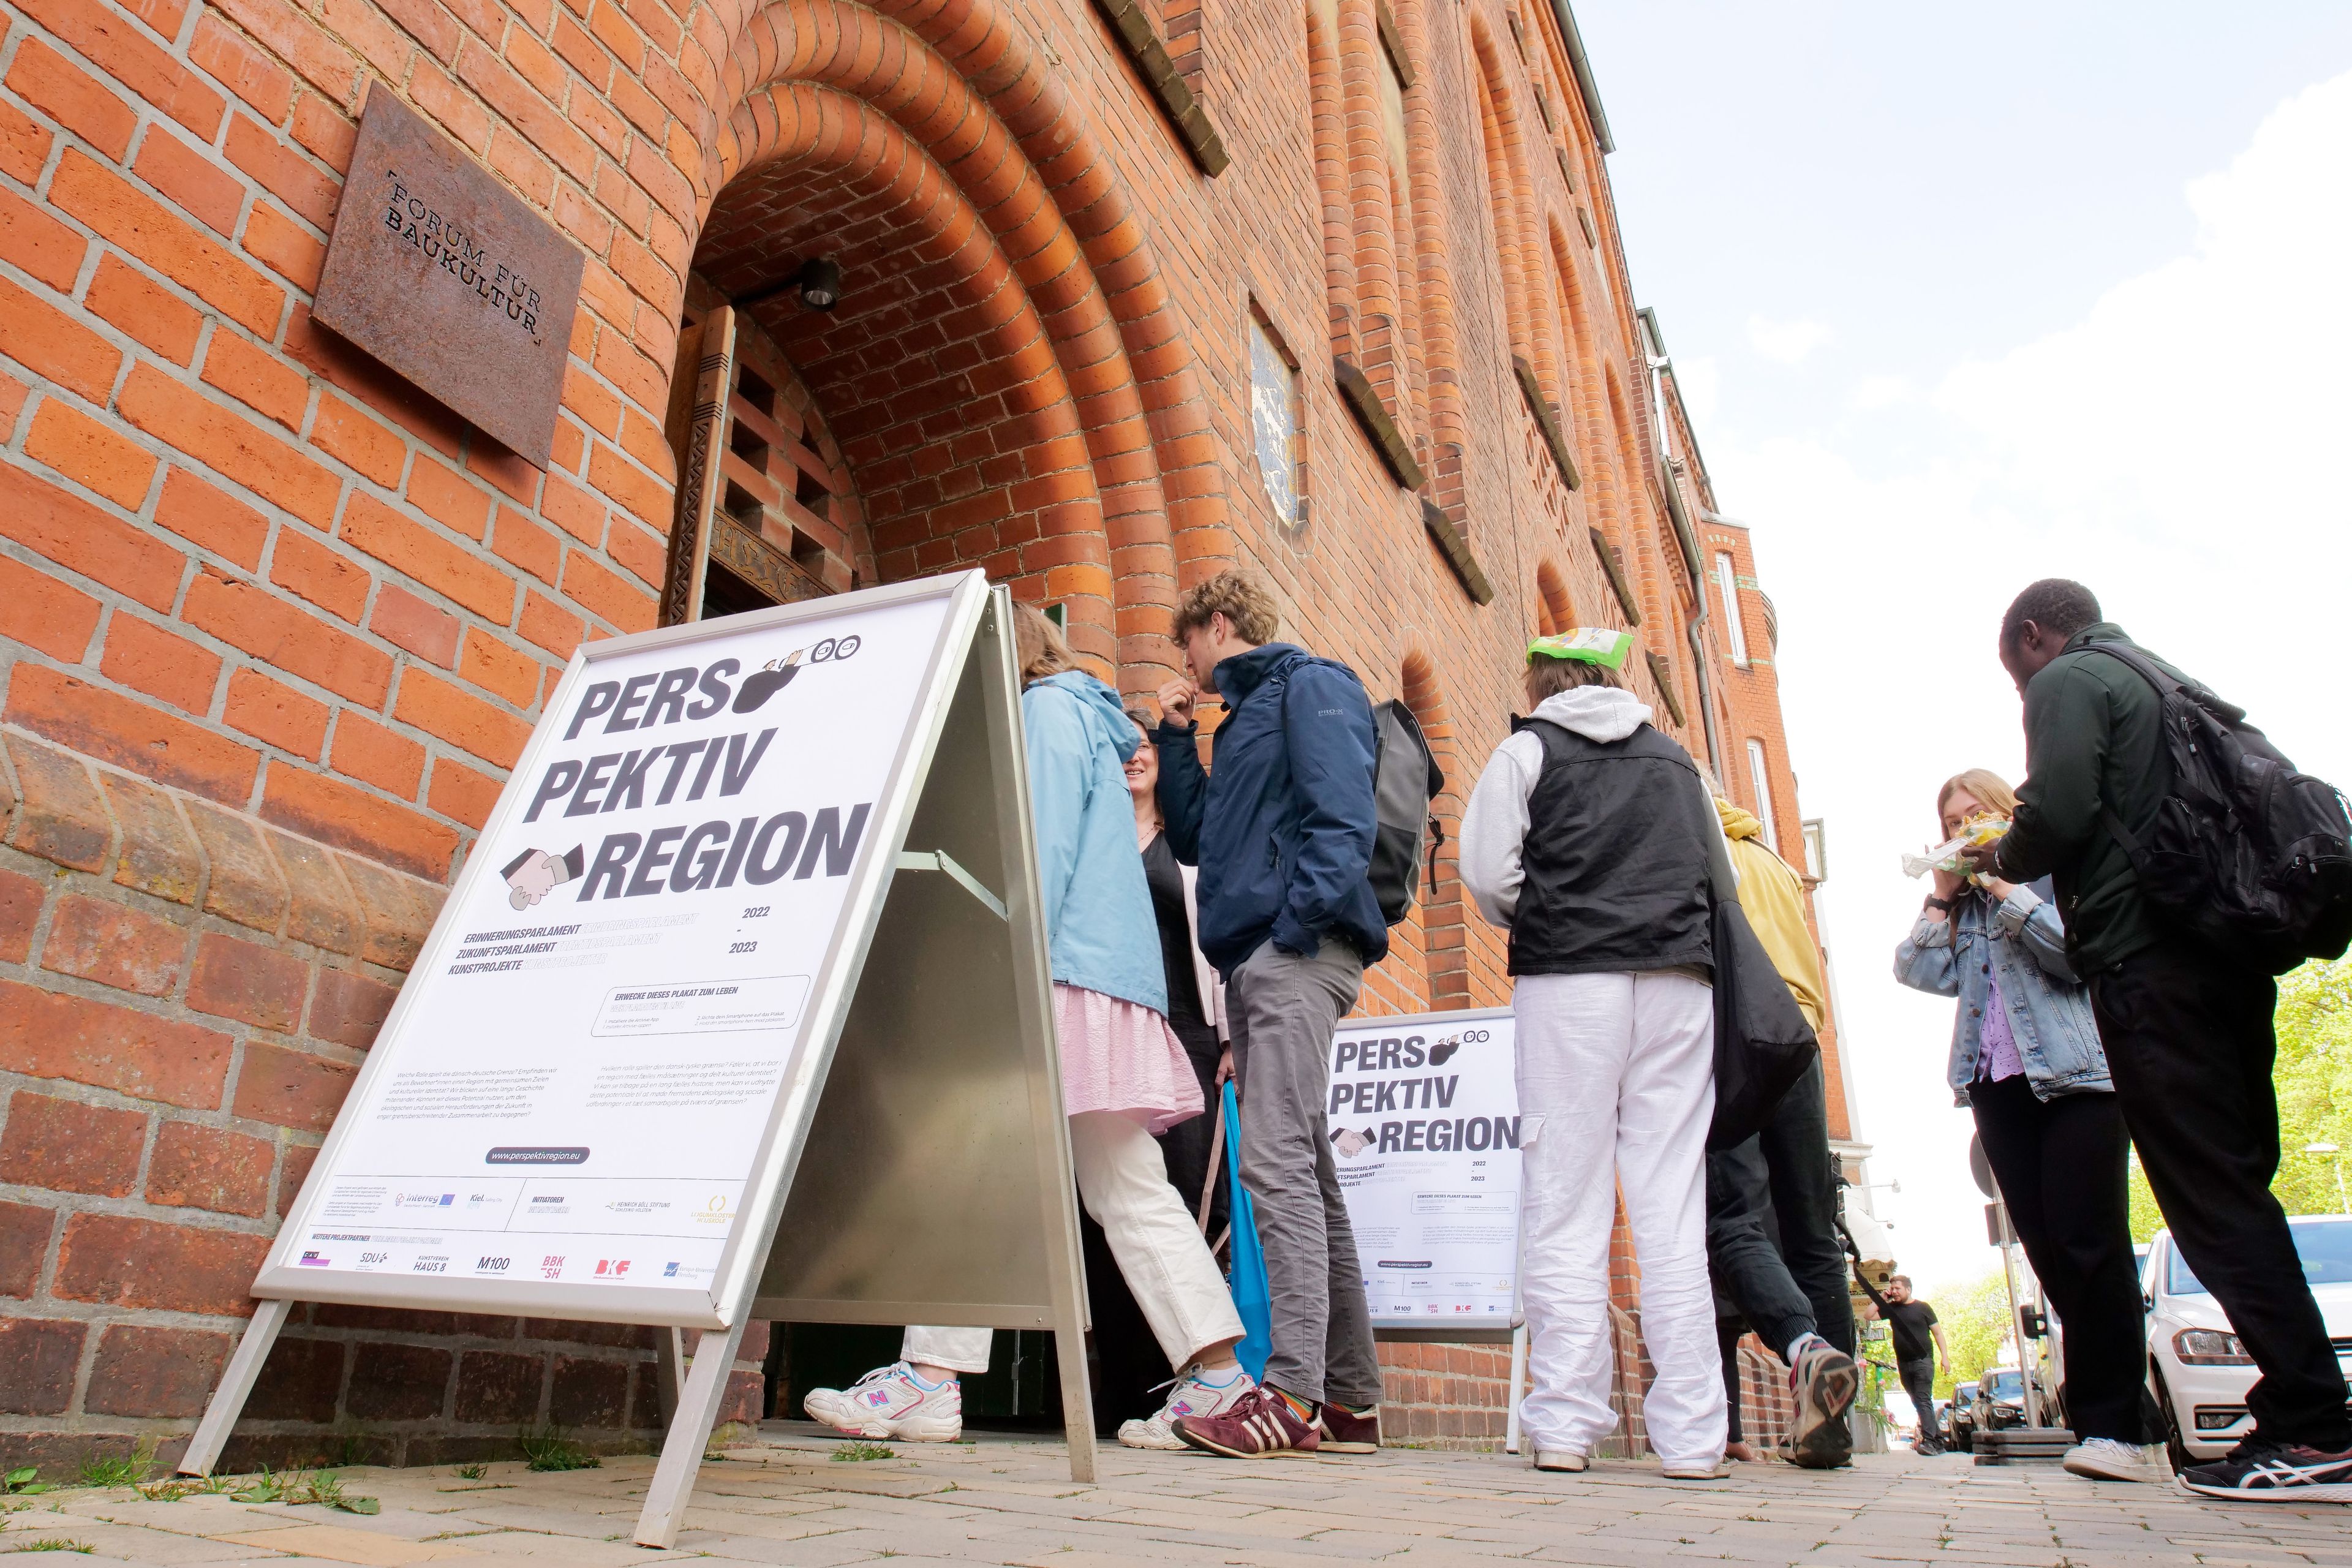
[[1588, 645]]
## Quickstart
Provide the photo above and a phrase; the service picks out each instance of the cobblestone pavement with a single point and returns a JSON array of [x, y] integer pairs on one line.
[[782, 1499]]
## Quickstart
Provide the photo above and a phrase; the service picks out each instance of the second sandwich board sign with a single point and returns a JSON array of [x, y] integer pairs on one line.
[[1425, 1127], [592, 1094]]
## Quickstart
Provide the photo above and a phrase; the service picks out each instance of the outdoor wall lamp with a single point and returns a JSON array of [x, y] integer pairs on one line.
[[820, 282]]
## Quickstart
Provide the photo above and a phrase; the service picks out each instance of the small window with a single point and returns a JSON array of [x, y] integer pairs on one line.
[[1761, 776], [1727, 582], [1817, 849], [1274, 420]]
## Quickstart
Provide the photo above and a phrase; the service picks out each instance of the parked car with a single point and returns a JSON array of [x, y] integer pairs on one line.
[[2198, 1372], [1999, 1400], [1960, 1425]]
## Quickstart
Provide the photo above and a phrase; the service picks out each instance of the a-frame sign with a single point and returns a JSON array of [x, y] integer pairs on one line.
[[739, 1008]]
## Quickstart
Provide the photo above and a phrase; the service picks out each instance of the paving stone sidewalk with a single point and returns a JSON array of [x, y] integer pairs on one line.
[[781, 1498]]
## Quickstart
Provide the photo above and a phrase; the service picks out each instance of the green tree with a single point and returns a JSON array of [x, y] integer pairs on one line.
[[2314, 1075], [1976, 1326]]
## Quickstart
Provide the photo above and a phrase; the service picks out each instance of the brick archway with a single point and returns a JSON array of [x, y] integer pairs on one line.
[[1007, 371]]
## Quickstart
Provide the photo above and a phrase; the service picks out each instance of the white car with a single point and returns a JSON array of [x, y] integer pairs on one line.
[[2197, 1371]]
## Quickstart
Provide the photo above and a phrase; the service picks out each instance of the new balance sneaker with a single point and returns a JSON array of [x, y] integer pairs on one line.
[[1566, 1460], [2274, 1473], [1345, 1432], [1823, 1381], [1260, 1422], [892, 1402], [2106, 1459], [1193, 1394]]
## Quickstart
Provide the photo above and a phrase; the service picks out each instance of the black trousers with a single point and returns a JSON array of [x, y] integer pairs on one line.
[[1919, 1382], [2061, 1164], [1771, 1224], [2190, 1045], [1728, 1333]]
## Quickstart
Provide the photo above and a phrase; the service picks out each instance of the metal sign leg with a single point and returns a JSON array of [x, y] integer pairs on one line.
[[236, 1383], [669, 1370], [1519, 1387], [689, 1438]]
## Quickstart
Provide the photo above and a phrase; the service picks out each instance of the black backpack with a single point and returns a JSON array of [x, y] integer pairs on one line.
[[1405, 779], [2245, 852]]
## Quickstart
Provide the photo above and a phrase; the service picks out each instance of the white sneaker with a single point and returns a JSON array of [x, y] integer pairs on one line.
[[1694, 1470], [892, 1402], [2106, 1459], [1192, 1395], [1566, 1460]]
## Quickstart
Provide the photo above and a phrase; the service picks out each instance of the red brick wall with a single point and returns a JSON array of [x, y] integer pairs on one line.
[[274, 624]]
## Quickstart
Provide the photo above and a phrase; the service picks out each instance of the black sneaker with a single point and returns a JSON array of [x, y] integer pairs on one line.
[[2274, 1473]]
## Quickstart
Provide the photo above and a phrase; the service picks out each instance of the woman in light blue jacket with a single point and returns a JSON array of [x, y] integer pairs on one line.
[[2027, 1063], [1125, 1075]]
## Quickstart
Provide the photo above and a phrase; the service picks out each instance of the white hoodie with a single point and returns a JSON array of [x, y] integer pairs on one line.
[[1495, 826]]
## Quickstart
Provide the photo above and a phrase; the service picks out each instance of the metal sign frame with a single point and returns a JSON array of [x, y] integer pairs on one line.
[[969, 700]]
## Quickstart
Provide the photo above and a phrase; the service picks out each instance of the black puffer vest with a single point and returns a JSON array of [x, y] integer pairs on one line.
[[1616, 858]]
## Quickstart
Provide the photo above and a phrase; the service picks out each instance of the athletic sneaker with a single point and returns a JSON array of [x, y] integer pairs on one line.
[[2106, 1459], [1345, 1432], [1563, 1459], [1259, 1421], [892, 1402], [2272, 1473], [1687, 1471], [1823, 1381], [1193, 1394]]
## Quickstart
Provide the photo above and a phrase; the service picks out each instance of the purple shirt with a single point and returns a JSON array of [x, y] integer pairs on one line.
[[1996, 1046]]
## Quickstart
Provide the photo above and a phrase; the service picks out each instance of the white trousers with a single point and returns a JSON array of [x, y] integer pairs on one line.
[[1616, 1076], [1123, 1182]]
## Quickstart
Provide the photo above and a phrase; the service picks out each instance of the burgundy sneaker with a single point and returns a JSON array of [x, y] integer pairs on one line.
[[1260, 1422], [1345, 1432]]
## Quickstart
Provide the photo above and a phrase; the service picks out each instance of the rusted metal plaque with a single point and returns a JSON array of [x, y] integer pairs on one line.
[[447, 276]]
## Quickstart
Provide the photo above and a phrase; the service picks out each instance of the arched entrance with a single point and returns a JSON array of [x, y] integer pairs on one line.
[[1003, 376]]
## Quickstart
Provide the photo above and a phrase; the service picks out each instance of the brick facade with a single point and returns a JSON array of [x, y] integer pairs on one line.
[[274, 623]]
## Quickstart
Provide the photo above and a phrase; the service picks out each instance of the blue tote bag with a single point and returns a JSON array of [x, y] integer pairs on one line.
[[1252, 1297]]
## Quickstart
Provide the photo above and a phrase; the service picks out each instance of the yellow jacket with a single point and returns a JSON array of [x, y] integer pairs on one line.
[[1774, 901]]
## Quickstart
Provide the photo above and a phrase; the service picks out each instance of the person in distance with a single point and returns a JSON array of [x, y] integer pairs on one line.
[[1282, 833], [1772, 1241], [2187, 1028], [1125, 1075], [2026, 1061], [1593, 839]]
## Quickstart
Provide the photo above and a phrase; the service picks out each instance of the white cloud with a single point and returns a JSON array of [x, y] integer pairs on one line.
[[1786, 342], [1874, 392], [2176, 450]]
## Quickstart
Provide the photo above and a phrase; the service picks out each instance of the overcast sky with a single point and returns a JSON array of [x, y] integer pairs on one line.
[[1962, 297]]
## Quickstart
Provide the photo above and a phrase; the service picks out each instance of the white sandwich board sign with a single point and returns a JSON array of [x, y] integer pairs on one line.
[[591, 1097], [1424, 1126]]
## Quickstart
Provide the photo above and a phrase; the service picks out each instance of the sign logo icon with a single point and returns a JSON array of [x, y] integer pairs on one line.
[[608, 1268], [778, 673]]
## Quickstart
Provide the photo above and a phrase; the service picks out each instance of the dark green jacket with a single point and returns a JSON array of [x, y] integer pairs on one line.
[[2091, 739]]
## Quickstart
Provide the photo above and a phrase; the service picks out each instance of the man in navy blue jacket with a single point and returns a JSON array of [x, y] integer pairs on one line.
[[1283, 834]]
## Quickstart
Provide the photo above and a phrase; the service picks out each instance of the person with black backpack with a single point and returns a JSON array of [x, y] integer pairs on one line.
[[1592, 837], [1284, 833], [2191, 864]]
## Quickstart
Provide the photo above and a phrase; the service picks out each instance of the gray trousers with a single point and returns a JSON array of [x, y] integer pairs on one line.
[[1282, 1009]]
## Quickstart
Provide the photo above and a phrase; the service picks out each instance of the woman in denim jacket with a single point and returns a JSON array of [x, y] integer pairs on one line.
[[2026, 1061]]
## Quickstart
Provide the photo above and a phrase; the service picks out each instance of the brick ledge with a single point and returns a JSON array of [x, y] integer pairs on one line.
[[76, 812]]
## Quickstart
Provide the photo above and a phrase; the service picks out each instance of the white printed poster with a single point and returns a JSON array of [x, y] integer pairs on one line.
[[1424, 1125], [580, 1077]]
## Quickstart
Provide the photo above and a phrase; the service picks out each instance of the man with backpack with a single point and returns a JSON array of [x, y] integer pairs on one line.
[[1283, 832], [2180, 970]]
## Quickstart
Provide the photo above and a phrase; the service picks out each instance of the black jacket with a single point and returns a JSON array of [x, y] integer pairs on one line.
[[2093, 739], [1615, 859]]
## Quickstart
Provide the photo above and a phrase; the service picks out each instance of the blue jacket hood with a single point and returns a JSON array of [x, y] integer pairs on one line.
[[1100, 705], [1100, 931]]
